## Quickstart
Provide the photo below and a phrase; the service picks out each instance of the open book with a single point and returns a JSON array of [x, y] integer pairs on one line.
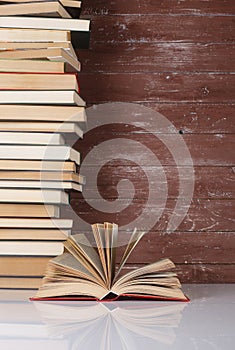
[[86, 273]]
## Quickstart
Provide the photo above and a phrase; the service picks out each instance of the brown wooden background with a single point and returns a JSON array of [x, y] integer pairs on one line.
[[176, 57]]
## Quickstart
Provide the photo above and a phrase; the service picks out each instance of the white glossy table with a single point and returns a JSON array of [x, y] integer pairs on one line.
[[206, 322]]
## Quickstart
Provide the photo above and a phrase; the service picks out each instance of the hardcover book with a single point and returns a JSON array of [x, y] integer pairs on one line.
[[84, 272]]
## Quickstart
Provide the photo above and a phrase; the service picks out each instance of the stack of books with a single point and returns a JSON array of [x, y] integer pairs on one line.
[[39, 104]]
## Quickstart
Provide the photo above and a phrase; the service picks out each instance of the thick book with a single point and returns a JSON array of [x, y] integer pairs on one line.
[[28, 210], [66, 185], [73, 7], [80, 25], [35, 223], [25, 138], [27, 248], [22, 234], [33, 36], [34, 66], [11, 195], [39, 152], [43, 113], [85, 272], [23, 265], [44, 8], [53, 54], [39, 81], [37, 127], [37, 165], [20, 283], [45, 97], [42, 176], [29, 45]]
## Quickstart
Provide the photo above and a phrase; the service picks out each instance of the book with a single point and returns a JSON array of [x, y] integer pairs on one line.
[[23, 265], [33, 66], [41, 184], [29, 45], [52, 53], [41, 166], [35, 128], [20, 282], [50, 97], [68, 3], [38, 81], [25, 138], [32, 35], [33, 234], [85, 272], [43, 176], [35, 223], [39, 248], [44, 8], [43, 113], [80, 25], [33, 196], [39, 152], [28, 210]]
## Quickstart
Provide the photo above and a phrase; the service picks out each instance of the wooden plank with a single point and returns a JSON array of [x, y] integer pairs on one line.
[[200, 273], [205, 149], [162, 28], [203, 215], [121, 57], [198, 118], [158, 87], [222, 185], [186, 118], [197, 7], [184, 248]]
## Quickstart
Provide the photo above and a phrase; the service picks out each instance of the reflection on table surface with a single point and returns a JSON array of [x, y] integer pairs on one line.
[[207, 322]]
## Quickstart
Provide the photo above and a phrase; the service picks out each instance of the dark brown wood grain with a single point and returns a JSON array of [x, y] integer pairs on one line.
[[205, 149], [162, 28], [195, 7], [122, 57], [222, 185], [184, 248], [158, 87], [175, 57], [203, 215]]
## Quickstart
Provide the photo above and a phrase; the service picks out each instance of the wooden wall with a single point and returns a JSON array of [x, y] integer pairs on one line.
[[176, 57]]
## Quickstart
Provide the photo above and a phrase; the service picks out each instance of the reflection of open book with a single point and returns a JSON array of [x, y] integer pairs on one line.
[[114, 325], [85, 272]]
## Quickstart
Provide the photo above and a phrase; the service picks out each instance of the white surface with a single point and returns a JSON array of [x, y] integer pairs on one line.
[[206, 322]]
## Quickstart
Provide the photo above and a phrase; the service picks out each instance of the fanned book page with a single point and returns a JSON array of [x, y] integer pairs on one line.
[[87, 272]]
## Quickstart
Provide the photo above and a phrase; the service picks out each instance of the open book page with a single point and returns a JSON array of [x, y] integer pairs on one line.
[[134, 240], [114, 242], [76, 288], [67, 265], [79, 246], [108, 250], [99, 235]]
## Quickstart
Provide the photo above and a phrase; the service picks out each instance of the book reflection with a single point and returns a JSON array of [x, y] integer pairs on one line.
[[112, 325]]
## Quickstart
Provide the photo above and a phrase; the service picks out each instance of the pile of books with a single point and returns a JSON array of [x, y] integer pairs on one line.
[[39, 105]]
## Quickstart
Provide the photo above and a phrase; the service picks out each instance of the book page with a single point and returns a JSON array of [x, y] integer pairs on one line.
[[99, 235], [81, 248], [134, 240], [108, 249], [114, 243], [67, 264], [164, 264]]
